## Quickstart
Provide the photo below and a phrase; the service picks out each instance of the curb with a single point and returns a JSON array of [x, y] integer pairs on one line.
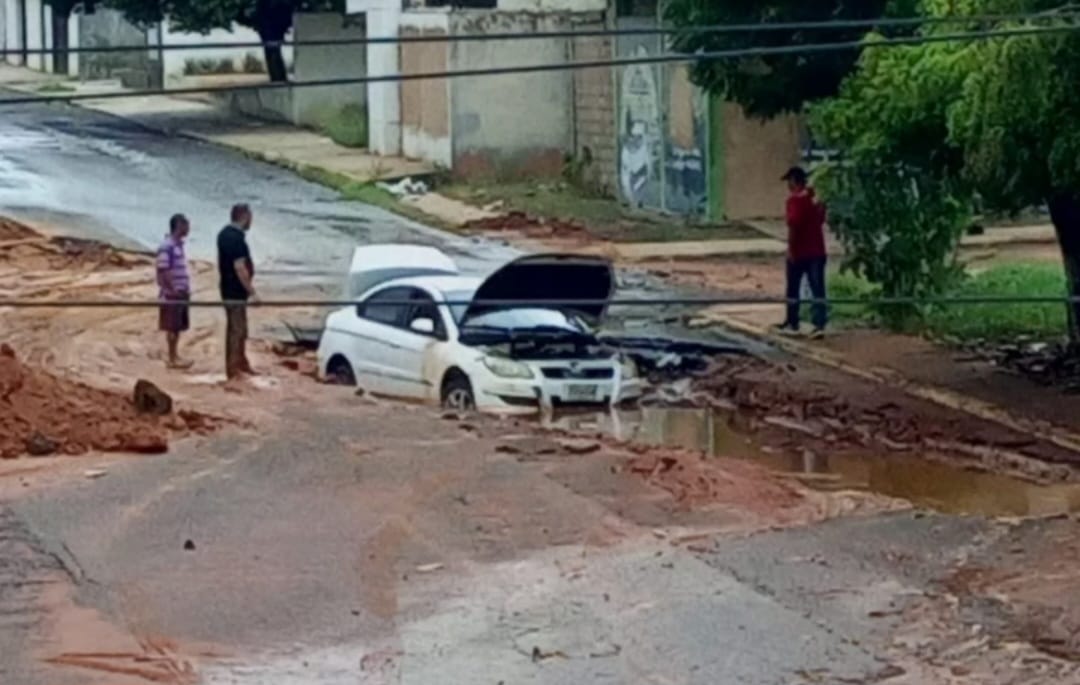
[[1055, 434]]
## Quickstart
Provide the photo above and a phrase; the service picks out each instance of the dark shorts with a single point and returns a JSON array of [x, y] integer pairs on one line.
[[173, 316]]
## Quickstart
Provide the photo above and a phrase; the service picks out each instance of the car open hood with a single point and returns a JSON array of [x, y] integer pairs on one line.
[[375, 264], [583, 283]]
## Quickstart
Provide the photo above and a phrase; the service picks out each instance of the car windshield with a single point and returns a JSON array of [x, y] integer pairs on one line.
[[525, 318]]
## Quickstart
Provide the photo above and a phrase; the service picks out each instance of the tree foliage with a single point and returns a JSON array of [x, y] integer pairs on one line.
[[923, 129], [768, 86], [271, 19]]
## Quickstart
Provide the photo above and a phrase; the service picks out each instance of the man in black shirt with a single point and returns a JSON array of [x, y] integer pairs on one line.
[[236, 272]]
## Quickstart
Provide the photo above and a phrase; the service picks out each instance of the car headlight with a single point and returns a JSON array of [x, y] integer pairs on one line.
[[628, 367], [507, 368]]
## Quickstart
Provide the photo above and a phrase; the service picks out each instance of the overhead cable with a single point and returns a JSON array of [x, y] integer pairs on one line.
[[667, 58], [718, 29], [712, 301]]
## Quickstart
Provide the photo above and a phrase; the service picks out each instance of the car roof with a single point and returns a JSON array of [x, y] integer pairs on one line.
[[436, 284]]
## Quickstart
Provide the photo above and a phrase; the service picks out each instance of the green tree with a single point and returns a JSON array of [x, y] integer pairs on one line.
[[897, 197], [1017, 121], [768, 86], [271, 19], [997, 117]]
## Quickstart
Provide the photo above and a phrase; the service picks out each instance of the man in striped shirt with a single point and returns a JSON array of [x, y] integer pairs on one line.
[[174, 288]]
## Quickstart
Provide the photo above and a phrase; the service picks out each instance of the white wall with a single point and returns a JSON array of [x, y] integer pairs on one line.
[[33, 34], [383, 99], [12, 22], [175, 59], [73, 42]]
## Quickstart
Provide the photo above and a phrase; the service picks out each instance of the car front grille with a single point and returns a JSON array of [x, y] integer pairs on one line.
[[563, 373]]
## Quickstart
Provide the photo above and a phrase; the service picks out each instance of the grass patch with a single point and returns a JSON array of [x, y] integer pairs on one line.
[[605, 217], [368, 193], [346, 126], [55, 88], [1004, 321], [960, 323]]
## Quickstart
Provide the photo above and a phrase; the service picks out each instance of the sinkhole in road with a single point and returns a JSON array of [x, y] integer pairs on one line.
[[924, 482]]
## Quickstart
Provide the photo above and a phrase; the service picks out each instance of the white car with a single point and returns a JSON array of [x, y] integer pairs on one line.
[[421, 330]]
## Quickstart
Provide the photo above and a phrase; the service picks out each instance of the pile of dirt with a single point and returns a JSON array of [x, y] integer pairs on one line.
[[529, 226], [41, 414], [808, 405], [31, 249]]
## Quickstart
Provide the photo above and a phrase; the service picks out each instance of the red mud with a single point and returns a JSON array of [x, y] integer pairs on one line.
[[74, 418], [529, 226], [694, 481]]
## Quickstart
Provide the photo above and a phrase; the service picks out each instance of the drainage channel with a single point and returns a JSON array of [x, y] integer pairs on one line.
[[923, 482]]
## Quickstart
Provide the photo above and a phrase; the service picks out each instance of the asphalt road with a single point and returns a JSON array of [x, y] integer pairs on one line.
[[110, 179], [93, 175], [309, 540]]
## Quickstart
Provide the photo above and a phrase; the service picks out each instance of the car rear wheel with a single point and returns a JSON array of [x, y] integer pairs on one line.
[[340, 372], [457, 393]]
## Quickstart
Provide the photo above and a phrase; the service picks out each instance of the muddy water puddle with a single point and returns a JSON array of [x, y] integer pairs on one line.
[[921, 481]]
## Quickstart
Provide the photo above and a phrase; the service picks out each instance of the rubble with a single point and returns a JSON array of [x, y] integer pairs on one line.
[[793, 399], [528, 226], [43, 414], [1056, 365]]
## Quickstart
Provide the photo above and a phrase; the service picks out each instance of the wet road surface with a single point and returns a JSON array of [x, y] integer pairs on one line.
[[85, 173], [110, 179]]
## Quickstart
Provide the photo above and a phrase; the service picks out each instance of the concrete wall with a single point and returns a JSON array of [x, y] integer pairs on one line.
[[518, 125], [595, 132], [756, 154], [175, 60], [425, 105], [12, 24], [35, 36], [108, 27], [4, 27], [311, 105]]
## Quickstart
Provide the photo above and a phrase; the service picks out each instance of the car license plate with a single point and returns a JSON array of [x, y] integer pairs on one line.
[[581, 393]]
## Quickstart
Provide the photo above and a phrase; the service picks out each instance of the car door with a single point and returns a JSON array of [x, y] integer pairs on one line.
[[376, 359], [415, 347]]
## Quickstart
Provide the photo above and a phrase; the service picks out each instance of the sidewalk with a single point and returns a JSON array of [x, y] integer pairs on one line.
[[290, 146]]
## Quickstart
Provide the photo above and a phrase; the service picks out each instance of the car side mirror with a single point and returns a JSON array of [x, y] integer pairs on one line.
[[425, 326]]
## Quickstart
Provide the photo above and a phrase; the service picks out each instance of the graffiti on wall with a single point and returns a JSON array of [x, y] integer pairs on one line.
[[663, 134], [639, 134]]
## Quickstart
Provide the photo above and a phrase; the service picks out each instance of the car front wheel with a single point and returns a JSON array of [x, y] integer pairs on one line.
[[339, 372], [457, 393]]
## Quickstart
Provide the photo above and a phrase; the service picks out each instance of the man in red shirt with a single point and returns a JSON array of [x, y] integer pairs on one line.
[[806, 252]]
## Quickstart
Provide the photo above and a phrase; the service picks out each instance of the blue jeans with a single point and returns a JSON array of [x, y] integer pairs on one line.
[[814, 272]]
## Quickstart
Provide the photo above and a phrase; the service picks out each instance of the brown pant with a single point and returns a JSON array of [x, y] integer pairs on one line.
[[236, 333]]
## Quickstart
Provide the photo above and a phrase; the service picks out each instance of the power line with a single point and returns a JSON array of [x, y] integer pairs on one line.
[[668, 58], [831, 25], [713, 301]]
